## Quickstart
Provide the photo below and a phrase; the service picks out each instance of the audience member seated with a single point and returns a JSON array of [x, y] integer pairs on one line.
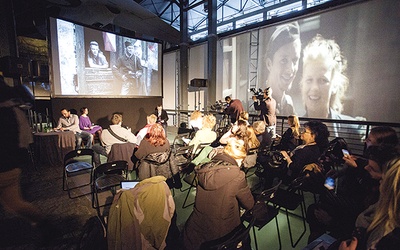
[[354, 167], [252, 147], [155, 141], [221, 188], [151, 119], [291, 138], [244, 116], [337, 212], [381, 135], [262, 134], [113, 135], [205, 134], [237, 130], [85, 123], [70, 122], [196, 120], [383, 226], [241, 131], [355, 176], [265, 140], [315, 137], [162, 116], [143, 217]]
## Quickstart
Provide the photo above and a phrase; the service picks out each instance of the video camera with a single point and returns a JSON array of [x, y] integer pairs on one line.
[[219, 106], [258, 93], [334, 153]]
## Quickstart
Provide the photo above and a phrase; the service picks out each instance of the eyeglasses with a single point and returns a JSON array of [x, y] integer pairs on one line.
[[304, 131]]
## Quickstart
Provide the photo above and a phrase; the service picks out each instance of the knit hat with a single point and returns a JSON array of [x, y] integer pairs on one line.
[[127, 44], [283, 34]]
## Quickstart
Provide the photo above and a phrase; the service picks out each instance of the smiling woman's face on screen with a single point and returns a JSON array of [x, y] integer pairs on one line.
[[283, 67], [316, 87]]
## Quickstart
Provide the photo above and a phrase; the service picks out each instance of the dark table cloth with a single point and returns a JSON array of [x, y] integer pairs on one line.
[[50, 148]]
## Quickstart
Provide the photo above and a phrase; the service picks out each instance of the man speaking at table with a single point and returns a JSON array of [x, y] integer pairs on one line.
[[70, 122]]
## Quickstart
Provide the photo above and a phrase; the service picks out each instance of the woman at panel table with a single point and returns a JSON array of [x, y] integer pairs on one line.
[[86, 124]]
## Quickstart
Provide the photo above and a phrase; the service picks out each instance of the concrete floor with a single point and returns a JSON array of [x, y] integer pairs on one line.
[[43, 187]]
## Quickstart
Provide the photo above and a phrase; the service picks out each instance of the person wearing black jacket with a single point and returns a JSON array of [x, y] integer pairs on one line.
[[358, 187], [162, 116], [267, 108]]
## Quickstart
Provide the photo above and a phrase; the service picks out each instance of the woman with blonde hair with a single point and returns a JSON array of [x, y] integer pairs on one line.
[[324, 83], [384, 231], [241, 131], [196, 120], [244, 116], [323, 86], [291, 138], [262, 134], [387, 215], [151, 119], [205, 134], [221, 188], [252, 140]]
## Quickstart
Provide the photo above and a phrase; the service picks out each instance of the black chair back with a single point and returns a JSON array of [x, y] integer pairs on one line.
[[77, 153], [111, 168]]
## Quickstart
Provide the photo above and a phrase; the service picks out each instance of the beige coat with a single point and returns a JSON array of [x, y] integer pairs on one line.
[[140, 217]]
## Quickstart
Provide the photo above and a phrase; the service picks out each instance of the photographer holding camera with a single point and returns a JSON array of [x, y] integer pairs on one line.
[[267, 105]]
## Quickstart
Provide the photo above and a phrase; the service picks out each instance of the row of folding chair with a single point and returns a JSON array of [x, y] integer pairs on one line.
[[277, 197], [105, 177], [188, 174]]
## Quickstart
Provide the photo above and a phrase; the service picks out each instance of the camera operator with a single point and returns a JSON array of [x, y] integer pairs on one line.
[[233, 109], [267, 106]]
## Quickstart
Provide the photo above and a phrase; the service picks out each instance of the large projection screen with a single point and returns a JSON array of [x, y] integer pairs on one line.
[[368, 35], [86, 62]]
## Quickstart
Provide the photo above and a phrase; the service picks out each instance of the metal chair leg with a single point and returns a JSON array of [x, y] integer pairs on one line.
[[192, 184], [303, 218]]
